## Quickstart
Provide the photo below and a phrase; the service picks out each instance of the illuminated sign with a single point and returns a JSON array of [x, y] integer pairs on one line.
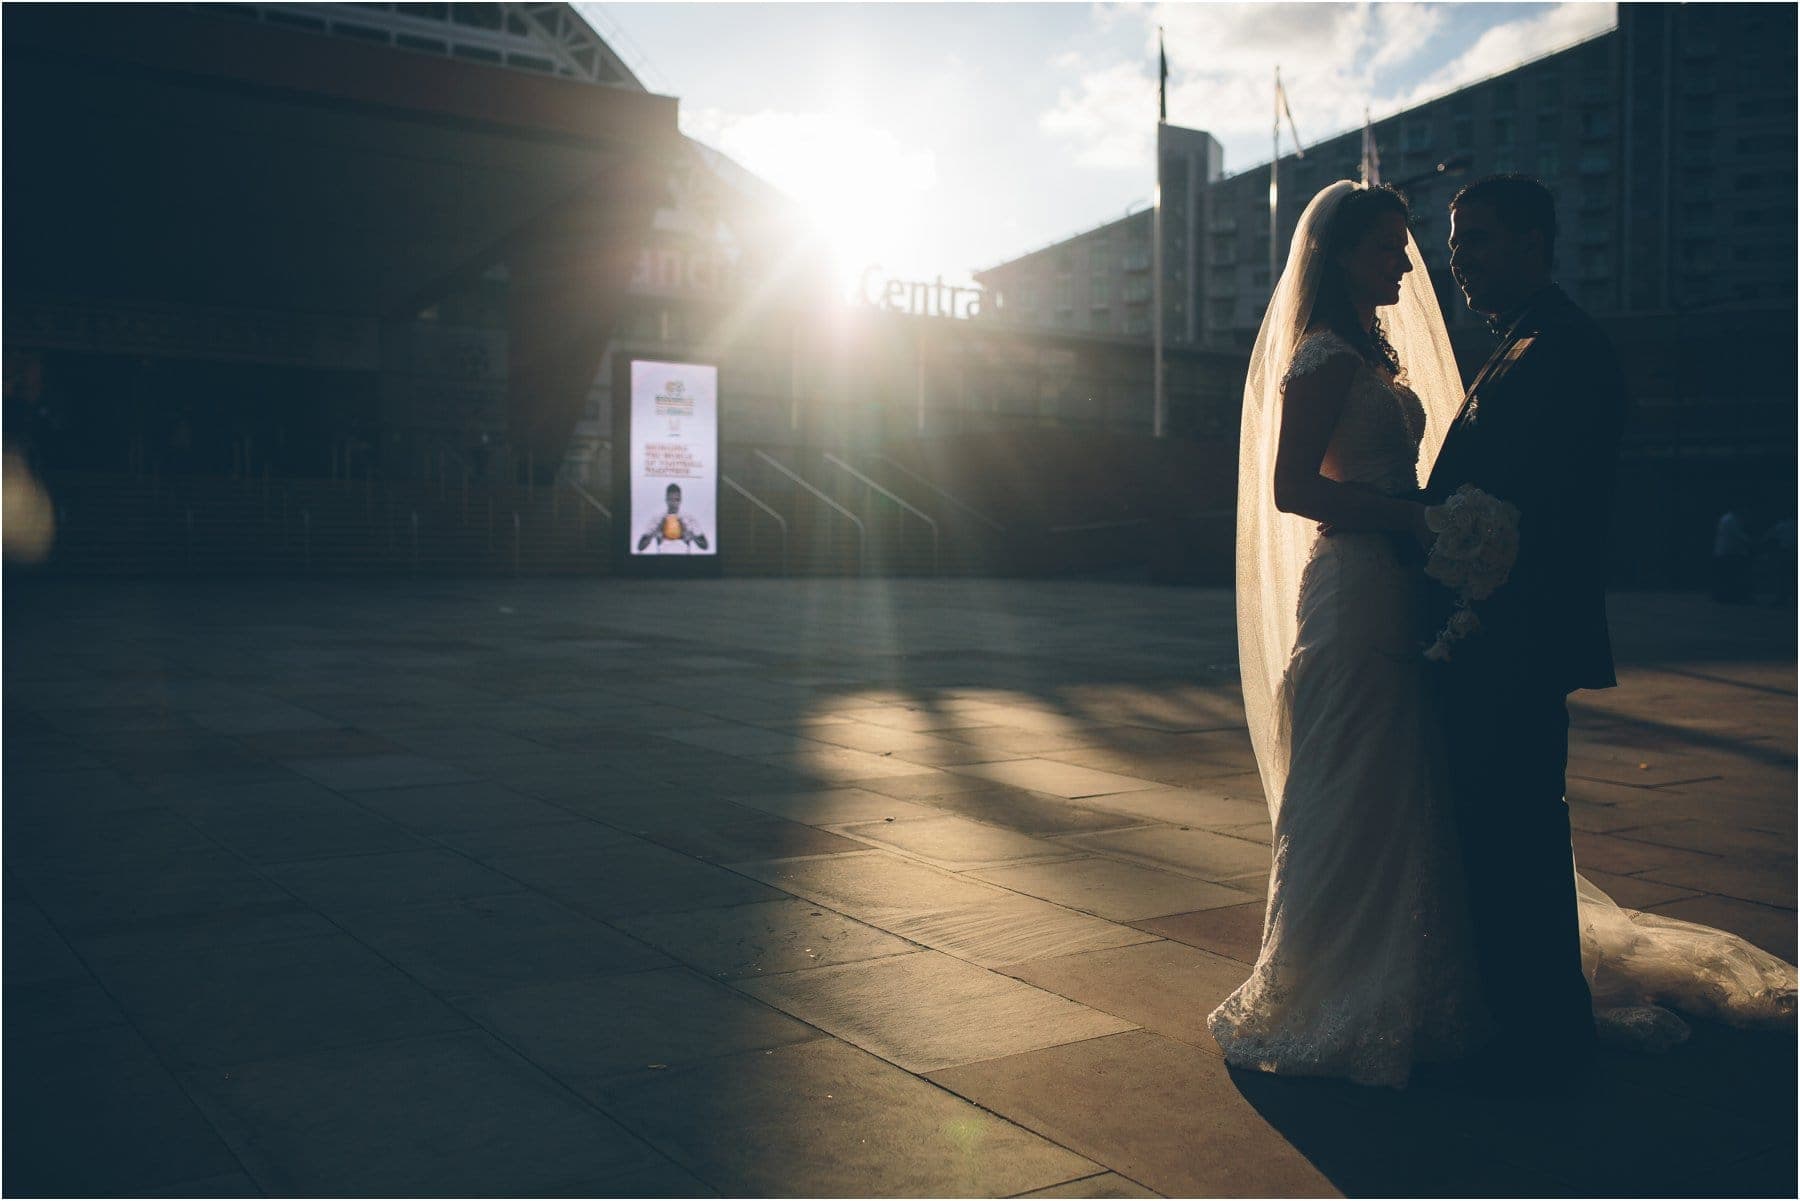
[[935, 299], [673, 459]]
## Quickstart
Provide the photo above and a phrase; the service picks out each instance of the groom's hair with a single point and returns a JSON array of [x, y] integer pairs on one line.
[[1521, 203]]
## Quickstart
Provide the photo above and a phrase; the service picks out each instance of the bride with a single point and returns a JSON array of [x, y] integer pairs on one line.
[[1366, 966]]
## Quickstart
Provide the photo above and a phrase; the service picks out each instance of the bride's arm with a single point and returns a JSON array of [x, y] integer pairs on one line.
[[1311, 406]]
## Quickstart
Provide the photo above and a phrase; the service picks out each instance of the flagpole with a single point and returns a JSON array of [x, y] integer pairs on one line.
[[1159, 403]]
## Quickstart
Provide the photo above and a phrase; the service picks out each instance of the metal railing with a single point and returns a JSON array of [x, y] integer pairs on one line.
[[944, 496], [591, 499], [779, 519], [859, 476], [853, 519]]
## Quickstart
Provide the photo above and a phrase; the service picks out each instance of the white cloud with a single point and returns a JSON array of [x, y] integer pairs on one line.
[[1335, 59], [1108, 119], [1506, 46]]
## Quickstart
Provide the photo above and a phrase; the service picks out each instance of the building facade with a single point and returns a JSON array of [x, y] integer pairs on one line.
[[1669, 143]]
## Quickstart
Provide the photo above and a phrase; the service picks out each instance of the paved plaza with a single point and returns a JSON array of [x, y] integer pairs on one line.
[[867, 887]]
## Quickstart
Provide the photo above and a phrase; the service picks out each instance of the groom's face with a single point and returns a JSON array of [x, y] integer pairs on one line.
[[1491, 263]]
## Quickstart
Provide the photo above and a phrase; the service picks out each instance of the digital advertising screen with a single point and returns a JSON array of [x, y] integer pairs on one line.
[[672, 466]]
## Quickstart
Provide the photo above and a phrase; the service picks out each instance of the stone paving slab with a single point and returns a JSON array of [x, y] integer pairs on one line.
[[1234, 931], [492, 942], [836, 806], [217, 1005], [398, 887], [824, 1119], [1162, 986], [450, 1116], [93, 1112], [1029, 812], [1058, 779], [1193, 852], [955, 842], [763, 939], [622, 1024], [926, 1011], [1154, 1110], [1120, 892], [964, 917], [1106, 1184]]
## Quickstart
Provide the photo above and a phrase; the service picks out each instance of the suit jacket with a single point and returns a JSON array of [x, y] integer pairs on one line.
[[1540, 427]]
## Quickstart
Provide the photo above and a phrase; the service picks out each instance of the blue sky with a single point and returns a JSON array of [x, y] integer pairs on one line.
[[936, 139]]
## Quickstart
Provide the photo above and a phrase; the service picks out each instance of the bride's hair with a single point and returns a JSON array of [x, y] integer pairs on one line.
[[1356, 214]]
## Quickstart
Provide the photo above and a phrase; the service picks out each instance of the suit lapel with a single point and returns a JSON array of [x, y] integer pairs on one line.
[[1468, 404]]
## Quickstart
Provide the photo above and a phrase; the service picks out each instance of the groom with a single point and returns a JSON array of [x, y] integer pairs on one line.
[[1538, 427]]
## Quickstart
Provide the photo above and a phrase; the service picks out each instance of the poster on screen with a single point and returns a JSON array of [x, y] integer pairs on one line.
[[674, 458]]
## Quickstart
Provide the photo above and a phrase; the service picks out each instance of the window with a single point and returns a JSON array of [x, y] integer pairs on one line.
[[480, 16], [1698, 251], [1417, 136], [1506, 94], [1503, 130], [1098, 292], [1223, 311], [1549, 127], [359, 31], [1549, 161], [1596, 164], [1596, 124]]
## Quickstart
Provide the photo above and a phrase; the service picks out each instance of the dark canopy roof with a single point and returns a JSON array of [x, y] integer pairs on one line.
[[156, 153]]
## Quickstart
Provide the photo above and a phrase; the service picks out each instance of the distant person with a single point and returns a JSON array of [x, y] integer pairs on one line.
[[1731, 558], [673, 529]]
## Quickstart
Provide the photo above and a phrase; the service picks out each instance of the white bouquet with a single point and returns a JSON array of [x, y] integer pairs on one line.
[[1473, 554]]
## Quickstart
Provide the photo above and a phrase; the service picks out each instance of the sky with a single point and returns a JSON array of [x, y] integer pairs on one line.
[[932, 140]]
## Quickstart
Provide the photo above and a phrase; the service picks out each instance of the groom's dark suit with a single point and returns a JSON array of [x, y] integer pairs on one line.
[[1540, 428]]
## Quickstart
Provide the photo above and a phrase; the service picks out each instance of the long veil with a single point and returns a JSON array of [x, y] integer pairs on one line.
[[1272, 546], [1632, 959]]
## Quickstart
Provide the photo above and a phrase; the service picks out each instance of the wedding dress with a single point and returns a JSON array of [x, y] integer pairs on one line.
[[1366, 967]]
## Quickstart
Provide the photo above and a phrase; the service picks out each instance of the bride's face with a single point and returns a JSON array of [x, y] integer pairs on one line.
[[1374, 267]]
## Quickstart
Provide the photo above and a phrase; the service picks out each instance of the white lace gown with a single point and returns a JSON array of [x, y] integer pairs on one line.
[[1366, 967], [1363, 969]]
